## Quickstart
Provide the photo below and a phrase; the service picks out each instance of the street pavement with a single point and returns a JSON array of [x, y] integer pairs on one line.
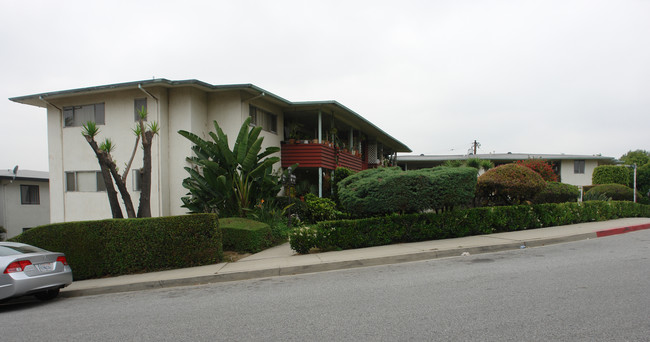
[[281, 260]]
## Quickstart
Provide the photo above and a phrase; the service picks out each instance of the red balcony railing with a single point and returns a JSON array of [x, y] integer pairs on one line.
[[319, 155]]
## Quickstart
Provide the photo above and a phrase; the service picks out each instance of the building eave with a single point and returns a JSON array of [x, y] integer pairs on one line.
[[345, 114]]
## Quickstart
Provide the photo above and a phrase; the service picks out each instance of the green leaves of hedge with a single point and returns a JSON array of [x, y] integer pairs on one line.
[[388, 190]]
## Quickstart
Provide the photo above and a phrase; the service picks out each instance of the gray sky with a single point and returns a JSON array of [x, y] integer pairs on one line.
[[518, 76]]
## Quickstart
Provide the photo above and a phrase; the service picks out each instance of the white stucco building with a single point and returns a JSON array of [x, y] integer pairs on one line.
[[24, 200], [571, 169], [76, 187]]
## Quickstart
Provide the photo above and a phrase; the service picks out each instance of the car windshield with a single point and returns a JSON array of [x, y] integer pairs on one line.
[[14, 250]]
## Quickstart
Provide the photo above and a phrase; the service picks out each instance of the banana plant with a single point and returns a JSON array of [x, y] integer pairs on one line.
[[228, 181]]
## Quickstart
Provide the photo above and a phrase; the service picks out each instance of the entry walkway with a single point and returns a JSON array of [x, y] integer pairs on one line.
[[281, 260]]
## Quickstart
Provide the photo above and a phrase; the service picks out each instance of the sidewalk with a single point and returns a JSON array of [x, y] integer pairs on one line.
[[281, 260]]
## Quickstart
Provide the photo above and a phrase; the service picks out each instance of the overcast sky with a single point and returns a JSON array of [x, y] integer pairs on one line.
[[517, 76]]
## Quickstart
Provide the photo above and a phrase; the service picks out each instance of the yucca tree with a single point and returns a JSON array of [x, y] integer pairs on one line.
[[144, 133], [229, 181], [90, 131]]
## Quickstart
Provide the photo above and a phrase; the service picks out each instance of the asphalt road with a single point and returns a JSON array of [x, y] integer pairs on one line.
[[591, 290]]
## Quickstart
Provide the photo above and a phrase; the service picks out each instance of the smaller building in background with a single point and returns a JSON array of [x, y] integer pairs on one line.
[[24, 200], [571, 169]]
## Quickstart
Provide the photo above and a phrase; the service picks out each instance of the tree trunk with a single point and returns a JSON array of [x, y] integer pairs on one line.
[[126, 197], [102, 158], [144, 209]]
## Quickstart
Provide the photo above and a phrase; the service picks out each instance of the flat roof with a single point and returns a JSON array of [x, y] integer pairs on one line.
[[501, 156], [348, 115], [25, 175]]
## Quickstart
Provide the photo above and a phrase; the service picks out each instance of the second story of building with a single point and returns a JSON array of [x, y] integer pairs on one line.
[[329, 133]]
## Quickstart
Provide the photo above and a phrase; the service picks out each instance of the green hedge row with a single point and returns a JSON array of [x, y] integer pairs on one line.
[[124, 246], [245, 236], [348, 234]]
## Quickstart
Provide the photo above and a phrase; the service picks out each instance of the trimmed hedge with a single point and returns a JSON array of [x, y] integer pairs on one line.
[[611, 174], [555, 192], [616, 192], [509, 184], [348, 234], [123, 246], [387, 190], [245, 236]]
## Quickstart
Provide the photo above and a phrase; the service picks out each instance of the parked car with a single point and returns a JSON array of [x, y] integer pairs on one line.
[[28, 270]]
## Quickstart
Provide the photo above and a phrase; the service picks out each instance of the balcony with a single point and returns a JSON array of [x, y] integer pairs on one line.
[[319, 155]]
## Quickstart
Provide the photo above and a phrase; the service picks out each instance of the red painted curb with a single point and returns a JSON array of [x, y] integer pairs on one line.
[[622, 230]]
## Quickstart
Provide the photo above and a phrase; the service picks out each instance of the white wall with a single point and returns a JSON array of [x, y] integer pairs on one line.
[[568, 176], [69, 151], [176, 109], [15, 216]]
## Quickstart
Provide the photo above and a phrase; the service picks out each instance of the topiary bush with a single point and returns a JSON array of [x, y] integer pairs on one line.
[[540, 166], [611, 174], [509, 184], [389, 190], [555, 192], [244, 235], [615, 192], [122, 246]]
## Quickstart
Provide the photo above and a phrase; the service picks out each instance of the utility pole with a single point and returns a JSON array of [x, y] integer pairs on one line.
[[475, 146]]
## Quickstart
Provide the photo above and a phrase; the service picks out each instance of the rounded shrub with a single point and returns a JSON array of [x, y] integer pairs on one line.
[[540, 166], [611, 174], [509, 184], [390, 190], [615, 192], [555, 192]]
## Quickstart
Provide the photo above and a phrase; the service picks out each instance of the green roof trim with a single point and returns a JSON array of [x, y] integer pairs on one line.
[[41, 100]]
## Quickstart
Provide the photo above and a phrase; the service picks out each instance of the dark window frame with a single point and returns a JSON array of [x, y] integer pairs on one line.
[[71, 184], [137, 106], [70, 118], [579, 167], [263, 118], [30, 194]]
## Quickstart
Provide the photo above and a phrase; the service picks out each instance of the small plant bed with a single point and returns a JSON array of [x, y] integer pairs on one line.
[[233, 256]]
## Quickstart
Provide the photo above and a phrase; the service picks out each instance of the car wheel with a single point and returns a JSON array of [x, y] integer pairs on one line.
[[47, 295]]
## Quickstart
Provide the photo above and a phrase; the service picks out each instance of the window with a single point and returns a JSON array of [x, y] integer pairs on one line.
[[84, 181], [579, 166], [267, 120], [78, 115], [138, 105], [137, 179], [29, 194]]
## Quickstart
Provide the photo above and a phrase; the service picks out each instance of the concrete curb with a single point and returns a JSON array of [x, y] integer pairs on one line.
[[344, 264]]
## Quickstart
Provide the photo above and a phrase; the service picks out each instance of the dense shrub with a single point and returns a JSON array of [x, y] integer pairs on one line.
[[555, 192], [611, 174], [388, 190], [540, 166], [347, 234], [340, 173], [616, 192], [244, 235], [320, 209], [123, 246], [643, 179], [509, 184]]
